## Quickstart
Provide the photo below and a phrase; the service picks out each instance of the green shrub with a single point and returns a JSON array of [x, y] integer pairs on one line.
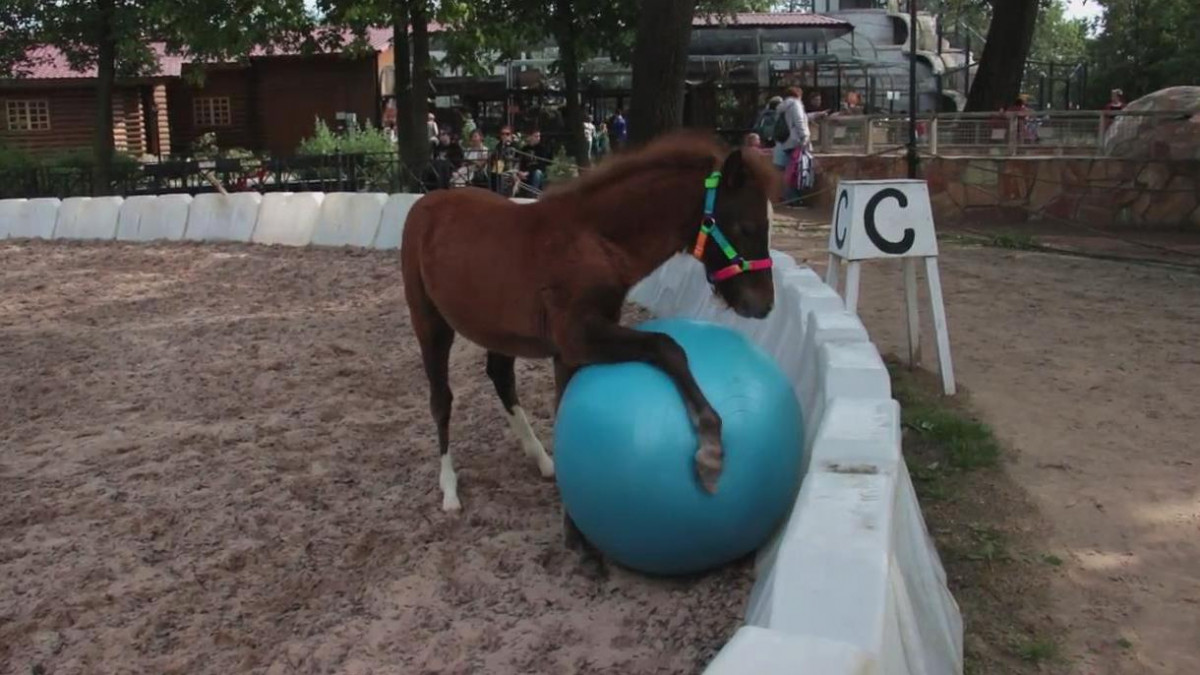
[[355, 140]]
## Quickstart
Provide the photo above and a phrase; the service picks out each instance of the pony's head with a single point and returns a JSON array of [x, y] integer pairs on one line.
[[733, 242]]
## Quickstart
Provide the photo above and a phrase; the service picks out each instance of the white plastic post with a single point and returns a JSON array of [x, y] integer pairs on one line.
[[914, 311], [939, 325], [853, 272]]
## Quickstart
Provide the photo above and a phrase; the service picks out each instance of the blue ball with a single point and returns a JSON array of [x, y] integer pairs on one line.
[[624, 450]]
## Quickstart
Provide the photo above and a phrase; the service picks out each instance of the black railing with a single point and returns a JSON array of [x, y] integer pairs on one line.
[[329, 173]]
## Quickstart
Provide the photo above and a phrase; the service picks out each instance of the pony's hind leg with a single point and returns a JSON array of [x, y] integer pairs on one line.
[[501, 370], [436, 337]]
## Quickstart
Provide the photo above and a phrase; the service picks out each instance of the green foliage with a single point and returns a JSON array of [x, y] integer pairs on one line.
[[1143, 46], [1036, 650], [14, 161], [365, 140], [205, 147], [207, 29], [562, 168]]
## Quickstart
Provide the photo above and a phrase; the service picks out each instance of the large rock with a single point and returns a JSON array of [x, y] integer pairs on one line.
[[1163, 135]]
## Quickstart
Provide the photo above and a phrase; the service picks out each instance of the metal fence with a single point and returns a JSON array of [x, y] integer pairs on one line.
[[327, 173], [1032, 133]]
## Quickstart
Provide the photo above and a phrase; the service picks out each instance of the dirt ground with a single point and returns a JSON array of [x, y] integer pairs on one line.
[[219, 459], [1089, 371]]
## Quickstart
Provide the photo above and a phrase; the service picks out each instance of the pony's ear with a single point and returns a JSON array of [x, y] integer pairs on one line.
[[733, 171]]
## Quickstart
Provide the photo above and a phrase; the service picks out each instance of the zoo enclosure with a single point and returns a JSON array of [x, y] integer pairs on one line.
[[1076, 133]]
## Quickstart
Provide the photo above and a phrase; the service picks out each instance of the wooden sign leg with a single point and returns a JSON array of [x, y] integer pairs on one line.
[[939, 324], [833, 272], [853, 269], [914, 311]]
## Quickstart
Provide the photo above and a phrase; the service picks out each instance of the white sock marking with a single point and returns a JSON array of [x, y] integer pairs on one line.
[[448, 480], [533, 448]]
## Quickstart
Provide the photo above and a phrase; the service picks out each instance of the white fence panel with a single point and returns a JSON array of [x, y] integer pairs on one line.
[[288, 218], [391, 223], [88, 218], [28, 218], [217, 217], [150, 218], [349, 219]]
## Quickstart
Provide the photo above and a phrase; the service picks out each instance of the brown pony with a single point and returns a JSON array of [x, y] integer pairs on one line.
[[548, 279]]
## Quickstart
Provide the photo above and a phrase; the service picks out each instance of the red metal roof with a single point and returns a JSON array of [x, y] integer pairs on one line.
[[49, 63], [777, 19]]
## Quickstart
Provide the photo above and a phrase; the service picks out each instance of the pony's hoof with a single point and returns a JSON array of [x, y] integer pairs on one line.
[[450, 504], [708, 468], [546, 467]]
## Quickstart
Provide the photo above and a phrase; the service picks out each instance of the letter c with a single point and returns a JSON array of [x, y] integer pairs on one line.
[[839, 234], [886, 245]]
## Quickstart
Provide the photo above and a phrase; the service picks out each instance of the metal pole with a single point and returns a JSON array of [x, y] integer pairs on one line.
[[912, 89]]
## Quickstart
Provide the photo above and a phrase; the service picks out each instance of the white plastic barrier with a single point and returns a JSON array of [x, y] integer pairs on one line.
[[851, 583], [28, 218], [391, 223], [349, 219], [217, 217], [87, 218], [288, 218], [149, 218]]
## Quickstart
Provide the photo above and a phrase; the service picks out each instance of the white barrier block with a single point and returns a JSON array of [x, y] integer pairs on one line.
[[218, 217], [784, 338], [87, 218], [349, 219], [288, 218], [837, 325], [850, 369], [802, 275], [148, 218], [860, 435], [391, 223], [933, 624], [28, 218], [760, 651], [781, 262], [828, 574]]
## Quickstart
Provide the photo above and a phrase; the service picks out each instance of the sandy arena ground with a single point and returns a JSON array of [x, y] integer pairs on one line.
[[219, 459]]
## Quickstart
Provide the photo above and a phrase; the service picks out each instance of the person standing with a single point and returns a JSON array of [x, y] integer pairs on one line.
[[619, 131]]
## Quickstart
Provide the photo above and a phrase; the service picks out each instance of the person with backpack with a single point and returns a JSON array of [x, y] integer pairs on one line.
[[790, 129], [765, 124]]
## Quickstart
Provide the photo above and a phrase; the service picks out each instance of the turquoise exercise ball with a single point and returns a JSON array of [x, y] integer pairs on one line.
[[624, 449]]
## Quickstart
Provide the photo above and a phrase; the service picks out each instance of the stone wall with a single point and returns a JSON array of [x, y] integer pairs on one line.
[[1101, 192]]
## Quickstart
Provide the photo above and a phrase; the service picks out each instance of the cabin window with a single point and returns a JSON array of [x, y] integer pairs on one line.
[[212, 111], [28, 115]]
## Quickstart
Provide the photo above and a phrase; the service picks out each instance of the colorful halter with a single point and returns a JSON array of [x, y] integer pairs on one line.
[[708, 227]]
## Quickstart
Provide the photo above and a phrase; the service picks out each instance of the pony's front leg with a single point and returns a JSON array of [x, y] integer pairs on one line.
[[597, 340]]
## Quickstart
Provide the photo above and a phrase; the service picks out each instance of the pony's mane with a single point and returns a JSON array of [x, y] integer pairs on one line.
[[685, 149]]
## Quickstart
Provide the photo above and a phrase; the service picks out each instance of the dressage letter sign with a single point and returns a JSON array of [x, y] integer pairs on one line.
[[875, 219], [882, 219]]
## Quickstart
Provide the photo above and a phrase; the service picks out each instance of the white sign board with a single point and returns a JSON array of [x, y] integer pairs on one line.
[[882, 219], [875, 219]]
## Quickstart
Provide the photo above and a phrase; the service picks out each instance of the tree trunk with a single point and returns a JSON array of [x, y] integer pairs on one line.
[[1002, 65], [568, 55], [421, 75], [659, 67], [106, 71], [404, 95]]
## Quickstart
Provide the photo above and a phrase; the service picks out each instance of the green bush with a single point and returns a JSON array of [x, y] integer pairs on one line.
[[76, 159], [355, 140]]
